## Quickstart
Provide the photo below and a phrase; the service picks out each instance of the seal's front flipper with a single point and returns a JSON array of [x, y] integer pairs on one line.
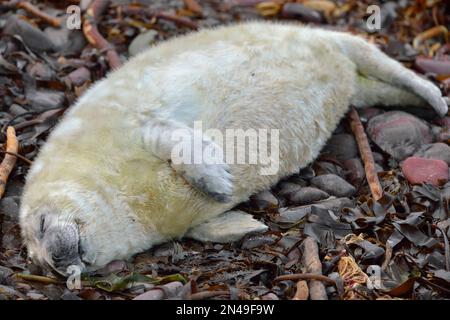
[[228, 227], [204, 169]]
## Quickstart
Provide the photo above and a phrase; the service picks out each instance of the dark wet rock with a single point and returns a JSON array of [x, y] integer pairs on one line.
[[4, 274], [79, 76], [65, 40], [378, 157], [437, 151], [9, 207], [436, 66], [326, 167], [142, 42], [270, 296], [355, 170], [307, 195], [32, 36], [115, 266], [443, 136], [334, 185], [53, 292], [443, 122], [11, 293], [40, 71], [68, 295], [307, 173], [368, 113], [255, 241], [285, 188], [299, 180], [420, 170], [264, 200], [33, 295], [399, 133], [292, 215], [45, 99], [161, 292], [300, 12], [343, 146]]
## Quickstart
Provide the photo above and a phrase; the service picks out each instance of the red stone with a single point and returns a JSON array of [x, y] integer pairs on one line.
[[419, 170]]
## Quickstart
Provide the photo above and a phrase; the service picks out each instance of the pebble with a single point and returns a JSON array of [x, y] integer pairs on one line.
[[436, 151], [142, 42], [257, 241], [398, 133], [325, 167], [286, 188], [9, 207], [334, 185], [443, 122], [264, 200], [291, 215], [300, 12], [45, 99], [32, 36], [79, 76], [159, 294], [343, 146], [307, 195], [419, 170], [355, 170], [66, 41]]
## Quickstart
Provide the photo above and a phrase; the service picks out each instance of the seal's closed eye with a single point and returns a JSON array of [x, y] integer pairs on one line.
[[42, 226]]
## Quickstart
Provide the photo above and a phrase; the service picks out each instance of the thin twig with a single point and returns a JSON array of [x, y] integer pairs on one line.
[[27, 6], [208, 294], [305, 276], [132, 10], [9, 161], [94, 37], [366, 154], [24, 159]]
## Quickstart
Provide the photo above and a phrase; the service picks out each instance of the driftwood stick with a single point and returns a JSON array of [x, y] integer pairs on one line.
[[94, 37], [133, 10], [305, 276], [366, 154], [30, 8], [313, 265], [24, 159], [9, 161], [302, 292], [208, 294]]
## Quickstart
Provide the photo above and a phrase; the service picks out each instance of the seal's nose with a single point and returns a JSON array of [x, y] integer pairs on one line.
[[63, 246]]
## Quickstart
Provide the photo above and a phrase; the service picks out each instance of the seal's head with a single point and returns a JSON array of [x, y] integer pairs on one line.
[[73, 226], [53, 239]]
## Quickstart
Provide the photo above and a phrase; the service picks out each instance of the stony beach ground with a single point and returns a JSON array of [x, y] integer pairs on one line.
[[328, 237]]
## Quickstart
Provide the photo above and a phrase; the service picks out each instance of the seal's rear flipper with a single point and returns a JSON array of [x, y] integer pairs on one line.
[[228, 227], [373, 63]]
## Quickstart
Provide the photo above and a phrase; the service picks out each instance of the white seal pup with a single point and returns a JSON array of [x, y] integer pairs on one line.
[[105, 187]]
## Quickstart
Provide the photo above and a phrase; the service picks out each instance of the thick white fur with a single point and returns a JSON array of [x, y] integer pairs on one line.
[[101, 169]]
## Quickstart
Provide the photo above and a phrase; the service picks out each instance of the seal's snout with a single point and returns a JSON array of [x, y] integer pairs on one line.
[[63, 246]]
